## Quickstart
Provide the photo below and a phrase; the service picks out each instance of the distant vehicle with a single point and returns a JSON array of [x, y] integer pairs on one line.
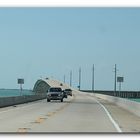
[[68, 91], [55, 93], [61, 84], [65, 94]]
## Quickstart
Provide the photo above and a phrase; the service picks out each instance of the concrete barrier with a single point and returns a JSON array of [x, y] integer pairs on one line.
[[129, 105], [123, 94], [9, 101], [40, 88]]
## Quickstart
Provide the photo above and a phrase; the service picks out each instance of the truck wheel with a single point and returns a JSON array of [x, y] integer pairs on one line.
[[48, 100], [61, 100]]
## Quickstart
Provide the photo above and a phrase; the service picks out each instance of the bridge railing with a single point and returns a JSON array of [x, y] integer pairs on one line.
[[122, 94]]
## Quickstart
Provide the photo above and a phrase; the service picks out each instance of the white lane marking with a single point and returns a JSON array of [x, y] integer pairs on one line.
[[108, 114], [110, 117]]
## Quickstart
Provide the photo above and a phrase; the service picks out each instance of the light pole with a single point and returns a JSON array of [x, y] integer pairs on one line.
[[79, 78], [93, 78], [115, 79], [64, 78], [70, 78]]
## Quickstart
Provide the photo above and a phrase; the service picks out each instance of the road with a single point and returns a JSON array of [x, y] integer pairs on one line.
[[81, 113]]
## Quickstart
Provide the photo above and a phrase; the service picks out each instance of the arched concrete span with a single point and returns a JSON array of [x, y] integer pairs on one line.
[[41, 86]]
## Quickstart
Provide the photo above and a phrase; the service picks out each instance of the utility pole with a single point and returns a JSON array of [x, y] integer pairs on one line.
[[115, 79], [79, 78], [70, 78], [64, 78], [93, 78]]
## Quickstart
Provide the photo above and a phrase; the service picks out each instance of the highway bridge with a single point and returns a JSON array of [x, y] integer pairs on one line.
[[82, 113]]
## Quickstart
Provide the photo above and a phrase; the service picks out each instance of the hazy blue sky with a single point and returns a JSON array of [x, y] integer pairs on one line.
[[49, 42]]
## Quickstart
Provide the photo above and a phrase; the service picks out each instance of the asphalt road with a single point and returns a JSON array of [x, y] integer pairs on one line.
[[81, 113]]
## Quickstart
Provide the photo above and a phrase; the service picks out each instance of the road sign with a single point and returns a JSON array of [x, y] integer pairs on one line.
[[120, 79], [20, 81]]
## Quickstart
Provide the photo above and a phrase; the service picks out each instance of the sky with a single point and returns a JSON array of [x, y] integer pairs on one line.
[[50, 42]]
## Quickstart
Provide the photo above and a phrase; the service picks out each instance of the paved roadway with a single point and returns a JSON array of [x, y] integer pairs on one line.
[[79, 113]]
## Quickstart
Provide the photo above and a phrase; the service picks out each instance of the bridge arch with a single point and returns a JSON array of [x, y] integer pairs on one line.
[[41, 87]]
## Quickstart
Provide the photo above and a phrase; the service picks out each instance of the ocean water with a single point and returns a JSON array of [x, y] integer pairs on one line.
[[135, 99], [14, 92]]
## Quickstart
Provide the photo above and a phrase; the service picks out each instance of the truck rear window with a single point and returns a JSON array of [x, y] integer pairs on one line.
[[67, 89], [55, 90]]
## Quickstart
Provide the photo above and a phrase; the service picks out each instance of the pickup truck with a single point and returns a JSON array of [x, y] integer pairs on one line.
[[55, 93], [68, 91]]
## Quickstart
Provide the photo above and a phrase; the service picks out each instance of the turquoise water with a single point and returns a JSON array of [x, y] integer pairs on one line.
[[14, 92], [134, 99]]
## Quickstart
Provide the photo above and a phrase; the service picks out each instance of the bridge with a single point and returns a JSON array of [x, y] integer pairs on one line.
[[42, 85], [84, 112]]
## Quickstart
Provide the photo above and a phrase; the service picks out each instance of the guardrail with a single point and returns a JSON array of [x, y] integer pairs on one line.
[[39, 92], [9, 101], [122, 94], [129, 105]]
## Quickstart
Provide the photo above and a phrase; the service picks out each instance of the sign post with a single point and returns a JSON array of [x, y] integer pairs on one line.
[[120, 80], [20, 81]]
